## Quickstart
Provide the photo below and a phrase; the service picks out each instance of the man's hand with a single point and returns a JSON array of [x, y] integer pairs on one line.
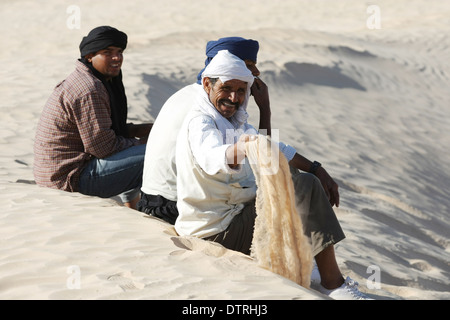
[[235, 153], [260, 92], [140, 131], [329, 185]]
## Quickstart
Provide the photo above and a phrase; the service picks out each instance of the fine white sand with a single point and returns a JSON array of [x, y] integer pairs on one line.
[[370, 101]]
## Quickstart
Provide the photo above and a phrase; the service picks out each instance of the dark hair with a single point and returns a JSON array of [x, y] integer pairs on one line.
[[213, 81]]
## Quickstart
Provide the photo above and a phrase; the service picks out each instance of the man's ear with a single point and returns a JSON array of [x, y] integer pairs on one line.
[[207, 86], [89, 56]]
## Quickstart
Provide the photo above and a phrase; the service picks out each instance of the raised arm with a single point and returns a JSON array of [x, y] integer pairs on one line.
[[260, 93]]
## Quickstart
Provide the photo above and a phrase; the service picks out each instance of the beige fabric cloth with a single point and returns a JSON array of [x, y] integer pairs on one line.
[[279, 243]]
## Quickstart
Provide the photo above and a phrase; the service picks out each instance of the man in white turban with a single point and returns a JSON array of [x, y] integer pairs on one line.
[[217, 190], [213, 185]]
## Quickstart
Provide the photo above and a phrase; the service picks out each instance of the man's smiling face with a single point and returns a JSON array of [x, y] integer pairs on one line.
[[107, 61], [226, 97]]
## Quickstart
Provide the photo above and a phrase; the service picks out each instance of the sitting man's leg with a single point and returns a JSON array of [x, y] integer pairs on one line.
[[239, 234], [320, 225], [119, 174]]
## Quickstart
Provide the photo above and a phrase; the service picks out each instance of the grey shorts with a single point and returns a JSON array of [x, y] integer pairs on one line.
[[320, 223]]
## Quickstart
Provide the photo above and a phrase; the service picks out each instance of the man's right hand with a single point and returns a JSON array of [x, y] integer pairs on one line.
[[235, 153]]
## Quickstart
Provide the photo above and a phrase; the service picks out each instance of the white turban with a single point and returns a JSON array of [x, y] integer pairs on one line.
[[226, 66]]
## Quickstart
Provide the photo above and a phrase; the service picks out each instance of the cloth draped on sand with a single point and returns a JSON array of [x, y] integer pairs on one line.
[[279, 243]]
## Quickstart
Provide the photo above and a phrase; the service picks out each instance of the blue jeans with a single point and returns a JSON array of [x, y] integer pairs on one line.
[[119, 174]]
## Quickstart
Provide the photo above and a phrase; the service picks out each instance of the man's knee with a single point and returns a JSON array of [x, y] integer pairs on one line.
[[306, 181]]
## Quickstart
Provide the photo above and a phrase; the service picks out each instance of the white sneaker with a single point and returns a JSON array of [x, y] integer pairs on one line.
[[348, 291]]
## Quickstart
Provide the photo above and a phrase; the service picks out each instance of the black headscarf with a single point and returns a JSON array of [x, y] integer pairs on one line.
[[101, 38], [98, 39]]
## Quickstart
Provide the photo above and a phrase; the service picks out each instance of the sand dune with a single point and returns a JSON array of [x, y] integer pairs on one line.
[[370, 104]]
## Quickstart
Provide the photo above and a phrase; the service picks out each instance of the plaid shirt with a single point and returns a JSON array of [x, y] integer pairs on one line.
[[75, 127]]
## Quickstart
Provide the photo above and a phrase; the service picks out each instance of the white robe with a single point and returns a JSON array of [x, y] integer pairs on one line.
[[160, 172], [208, 201], [210, 193]]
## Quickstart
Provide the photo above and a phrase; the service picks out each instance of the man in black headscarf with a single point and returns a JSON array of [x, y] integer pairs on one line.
[[102, 38], [83, 142]]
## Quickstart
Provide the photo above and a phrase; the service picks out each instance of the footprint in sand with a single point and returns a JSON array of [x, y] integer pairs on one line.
[[125, 281], [195, 244], [208, 248], [421, 265]]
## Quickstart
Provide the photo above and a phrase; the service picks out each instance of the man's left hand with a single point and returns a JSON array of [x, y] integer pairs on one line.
[[260, 92], [329, 185]]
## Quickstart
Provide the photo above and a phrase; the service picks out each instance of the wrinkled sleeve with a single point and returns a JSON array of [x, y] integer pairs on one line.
[[93, 119], [288, 151], [208, 149]]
